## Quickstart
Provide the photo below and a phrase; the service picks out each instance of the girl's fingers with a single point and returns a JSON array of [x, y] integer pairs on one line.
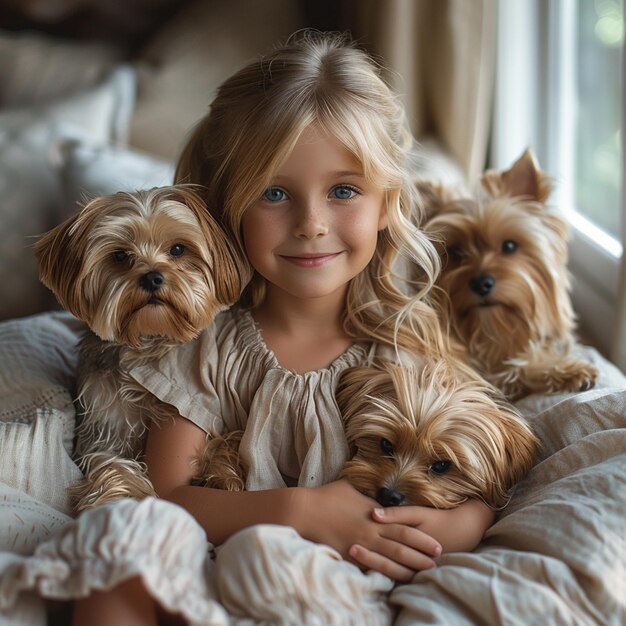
[[399, 515], [413, 538], [399, 551], [401, 548], [379, 563]]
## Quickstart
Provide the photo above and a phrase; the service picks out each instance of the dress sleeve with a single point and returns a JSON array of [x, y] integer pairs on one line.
[[185, 378]]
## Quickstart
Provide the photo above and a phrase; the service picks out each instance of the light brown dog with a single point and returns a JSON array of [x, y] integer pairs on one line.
[[145, 271], [504, 257], [423, 437]]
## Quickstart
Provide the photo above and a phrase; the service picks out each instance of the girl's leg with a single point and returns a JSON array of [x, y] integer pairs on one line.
[[129, 603]]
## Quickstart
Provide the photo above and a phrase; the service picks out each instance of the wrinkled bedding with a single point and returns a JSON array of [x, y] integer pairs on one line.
[[556, 555]]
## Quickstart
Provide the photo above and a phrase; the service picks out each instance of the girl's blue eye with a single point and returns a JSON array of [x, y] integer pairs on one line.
[[343, 192], [274, 194]]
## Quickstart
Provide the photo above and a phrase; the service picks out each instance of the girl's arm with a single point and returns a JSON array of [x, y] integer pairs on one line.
[[171, 449], [335, 514]]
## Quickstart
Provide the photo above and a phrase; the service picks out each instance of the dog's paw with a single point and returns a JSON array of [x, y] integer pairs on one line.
[[220, 466], [108, 478], [577, 376], [587, 385], [567, 375]]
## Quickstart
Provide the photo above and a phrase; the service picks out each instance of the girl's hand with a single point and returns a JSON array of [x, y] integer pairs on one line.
[[457, 530], [339, 516]]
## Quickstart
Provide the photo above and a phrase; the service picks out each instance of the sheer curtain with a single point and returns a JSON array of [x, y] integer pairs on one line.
[[441, 57], [618, 354]]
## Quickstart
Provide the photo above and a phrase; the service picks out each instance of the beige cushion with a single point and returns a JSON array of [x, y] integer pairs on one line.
[[180, 69], [35, 68]]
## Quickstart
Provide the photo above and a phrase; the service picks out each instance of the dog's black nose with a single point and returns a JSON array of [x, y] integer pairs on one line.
[[482, 284], [152, 281], [389, 497]]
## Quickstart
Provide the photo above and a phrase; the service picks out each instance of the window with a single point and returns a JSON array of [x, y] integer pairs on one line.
[[559, 88], [597, 172]]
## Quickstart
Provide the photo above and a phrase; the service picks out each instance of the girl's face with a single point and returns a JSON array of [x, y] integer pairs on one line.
[[315, 228]]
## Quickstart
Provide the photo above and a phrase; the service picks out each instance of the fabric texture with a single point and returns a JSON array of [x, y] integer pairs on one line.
[[271, 575], [38, 358], [32, 199], [25, 520], [109, 545], [49, 470], [229, 380]]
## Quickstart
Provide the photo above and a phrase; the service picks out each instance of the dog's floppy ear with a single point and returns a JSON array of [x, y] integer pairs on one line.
[[524, 178], [60, 258], [519, 449], [231, 272], [358, 387], [349, 385]]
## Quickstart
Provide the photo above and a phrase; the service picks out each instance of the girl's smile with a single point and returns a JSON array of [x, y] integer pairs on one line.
[[316, 227], [311, 260]]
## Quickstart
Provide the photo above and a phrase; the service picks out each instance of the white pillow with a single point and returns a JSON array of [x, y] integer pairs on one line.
[[87, 169], [31, 197], [37, 68]]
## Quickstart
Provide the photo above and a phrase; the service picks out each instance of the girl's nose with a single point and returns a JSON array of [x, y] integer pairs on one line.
[[311, 222]]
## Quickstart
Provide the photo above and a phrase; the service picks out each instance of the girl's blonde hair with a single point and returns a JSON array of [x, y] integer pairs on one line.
[[254, 123]]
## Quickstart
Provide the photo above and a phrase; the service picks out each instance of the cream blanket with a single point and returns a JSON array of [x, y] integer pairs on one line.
[[556, 555]]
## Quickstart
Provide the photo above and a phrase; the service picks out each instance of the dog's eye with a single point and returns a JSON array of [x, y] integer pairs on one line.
[[386, 446], [177, 250], [509, 246], [440, 467], [120, 256], [455, 253]]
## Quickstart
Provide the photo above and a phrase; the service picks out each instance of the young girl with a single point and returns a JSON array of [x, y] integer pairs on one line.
[[304, 158]]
